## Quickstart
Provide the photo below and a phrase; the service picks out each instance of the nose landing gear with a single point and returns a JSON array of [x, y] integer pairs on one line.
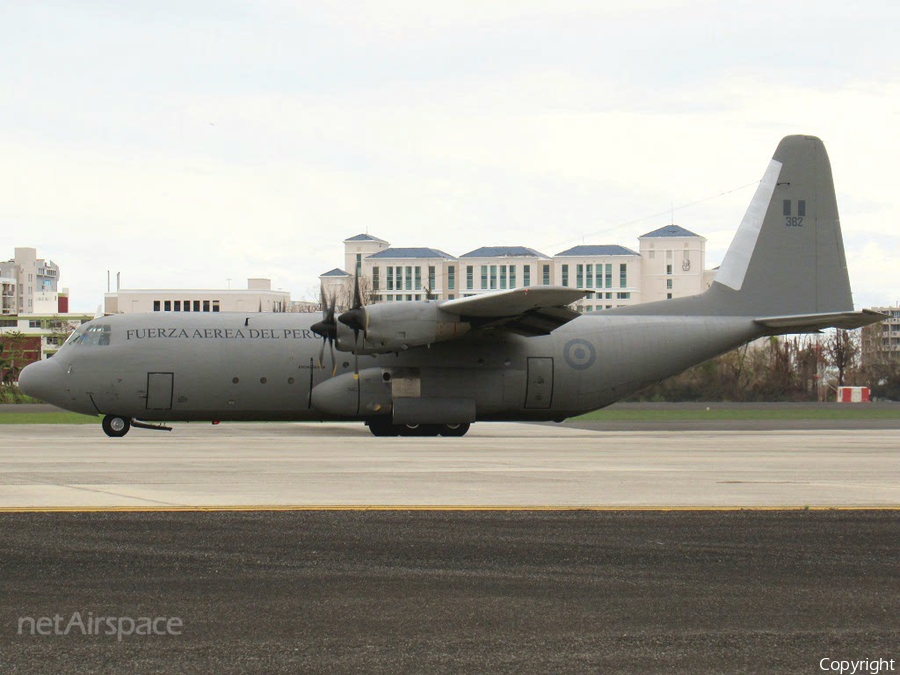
[[116, 426]]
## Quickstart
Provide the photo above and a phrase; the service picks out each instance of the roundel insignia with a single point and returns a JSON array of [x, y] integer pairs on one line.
[[579, 354]]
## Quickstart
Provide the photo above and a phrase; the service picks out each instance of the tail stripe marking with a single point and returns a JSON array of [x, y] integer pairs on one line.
[[734, 267]]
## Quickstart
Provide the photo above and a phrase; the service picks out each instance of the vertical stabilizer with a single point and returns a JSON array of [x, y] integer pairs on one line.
[[788, 254], [787, 257]]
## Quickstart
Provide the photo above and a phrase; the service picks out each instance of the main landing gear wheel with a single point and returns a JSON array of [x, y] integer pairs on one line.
[[382, 426], [454, 429], [116, 426], [420, 429]]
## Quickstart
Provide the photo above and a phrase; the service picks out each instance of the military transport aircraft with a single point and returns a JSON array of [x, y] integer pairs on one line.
[[433, 367]]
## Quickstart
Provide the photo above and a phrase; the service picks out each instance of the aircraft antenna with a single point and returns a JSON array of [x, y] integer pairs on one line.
[[656, 215]]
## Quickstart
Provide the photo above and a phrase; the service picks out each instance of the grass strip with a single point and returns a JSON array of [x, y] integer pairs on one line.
[[729, 414], [47, 418]]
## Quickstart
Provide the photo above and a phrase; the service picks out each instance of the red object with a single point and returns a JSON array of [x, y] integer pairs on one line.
[[62, 304], [853, 394]]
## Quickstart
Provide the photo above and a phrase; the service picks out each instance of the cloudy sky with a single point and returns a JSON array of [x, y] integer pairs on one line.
[[187, 143]]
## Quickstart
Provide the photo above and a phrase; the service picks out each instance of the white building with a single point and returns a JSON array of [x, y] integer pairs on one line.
[[673, 262], [611, 272], [492, 268], [410, 274], [338, 284], [257, 297], [360, 247], [28, 284], [882, 340], [670, 264], [7, 295]]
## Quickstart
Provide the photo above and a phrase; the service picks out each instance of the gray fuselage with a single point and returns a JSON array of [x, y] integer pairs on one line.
[[170, 367]]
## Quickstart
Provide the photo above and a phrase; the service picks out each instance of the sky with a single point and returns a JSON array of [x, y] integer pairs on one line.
[[199, 144]]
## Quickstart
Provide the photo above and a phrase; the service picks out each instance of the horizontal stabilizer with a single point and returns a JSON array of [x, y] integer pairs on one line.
[[811, 323]]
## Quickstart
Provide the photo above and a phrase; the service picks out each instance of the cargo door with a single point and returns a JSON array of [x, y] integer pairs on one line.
[[159, 391], [539, 390]]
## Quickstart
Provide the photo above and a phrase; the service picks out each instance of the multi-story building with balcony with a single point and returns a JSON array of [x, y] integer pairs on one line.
[[881, 341], [28, 284]]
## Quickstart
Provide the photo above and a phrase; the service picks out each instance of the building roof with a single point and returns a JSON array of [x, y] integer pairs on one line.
[[670, 231], [504, 252], [365, 237], [598, 250], [410, 253], [336, 272]]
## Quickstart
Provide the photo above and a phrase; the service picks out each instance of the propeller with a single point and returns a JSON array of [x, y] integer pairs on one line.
[[355, 318], [326, 328]]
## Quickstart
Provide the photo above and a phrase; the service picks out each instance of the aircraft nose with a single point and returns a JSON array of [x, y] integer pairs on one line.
[[42, 379]]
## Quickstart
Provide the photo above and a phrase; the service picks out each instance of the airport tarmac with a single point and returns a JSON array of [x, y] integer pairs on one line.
[[495, 465], [450, 591], [519, 548]]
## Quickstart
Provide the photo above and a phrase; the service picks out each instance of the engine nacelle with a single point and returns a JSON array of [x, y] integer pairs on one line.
[[348, 396], [396, 326]]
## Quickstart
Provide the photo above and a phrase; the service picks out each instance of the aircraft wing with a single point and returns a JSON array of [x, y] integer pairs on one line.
[[529, 311], [812, 323]]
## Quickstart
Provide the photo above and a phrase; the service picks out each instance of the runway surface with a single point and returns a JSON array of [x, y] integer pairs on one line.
[[520, 548], [464, 592], [509, 465]]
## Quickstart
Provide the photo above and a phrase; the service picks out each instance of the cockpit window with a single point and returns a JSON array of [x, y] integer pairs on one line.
[[96, 335]]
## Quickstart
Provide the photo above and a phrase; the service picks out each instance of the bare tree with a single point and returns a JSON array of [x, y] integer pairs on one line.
[[366, 294], [842, 350]]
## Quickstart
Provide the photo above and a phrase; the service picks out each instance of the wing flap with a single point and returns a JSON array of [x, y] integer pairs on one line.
[[535, 322]]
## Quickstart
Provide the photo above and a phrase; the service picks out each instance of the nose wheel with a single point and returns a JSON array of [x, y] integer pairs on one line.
[[116, 426]]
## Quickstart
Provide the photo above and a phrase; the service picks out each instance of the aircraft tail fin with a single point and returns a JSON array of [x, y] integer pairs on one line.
[[787, 257]]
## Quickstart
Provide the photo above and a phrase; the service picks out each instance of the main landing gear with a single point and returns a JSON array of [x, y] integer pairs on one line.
[[381, 426]]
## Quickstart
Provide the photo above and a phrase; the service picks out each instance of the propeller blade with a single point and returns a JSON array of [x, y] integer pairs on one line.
[[357, 297], [333, 360], [326, 328]]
